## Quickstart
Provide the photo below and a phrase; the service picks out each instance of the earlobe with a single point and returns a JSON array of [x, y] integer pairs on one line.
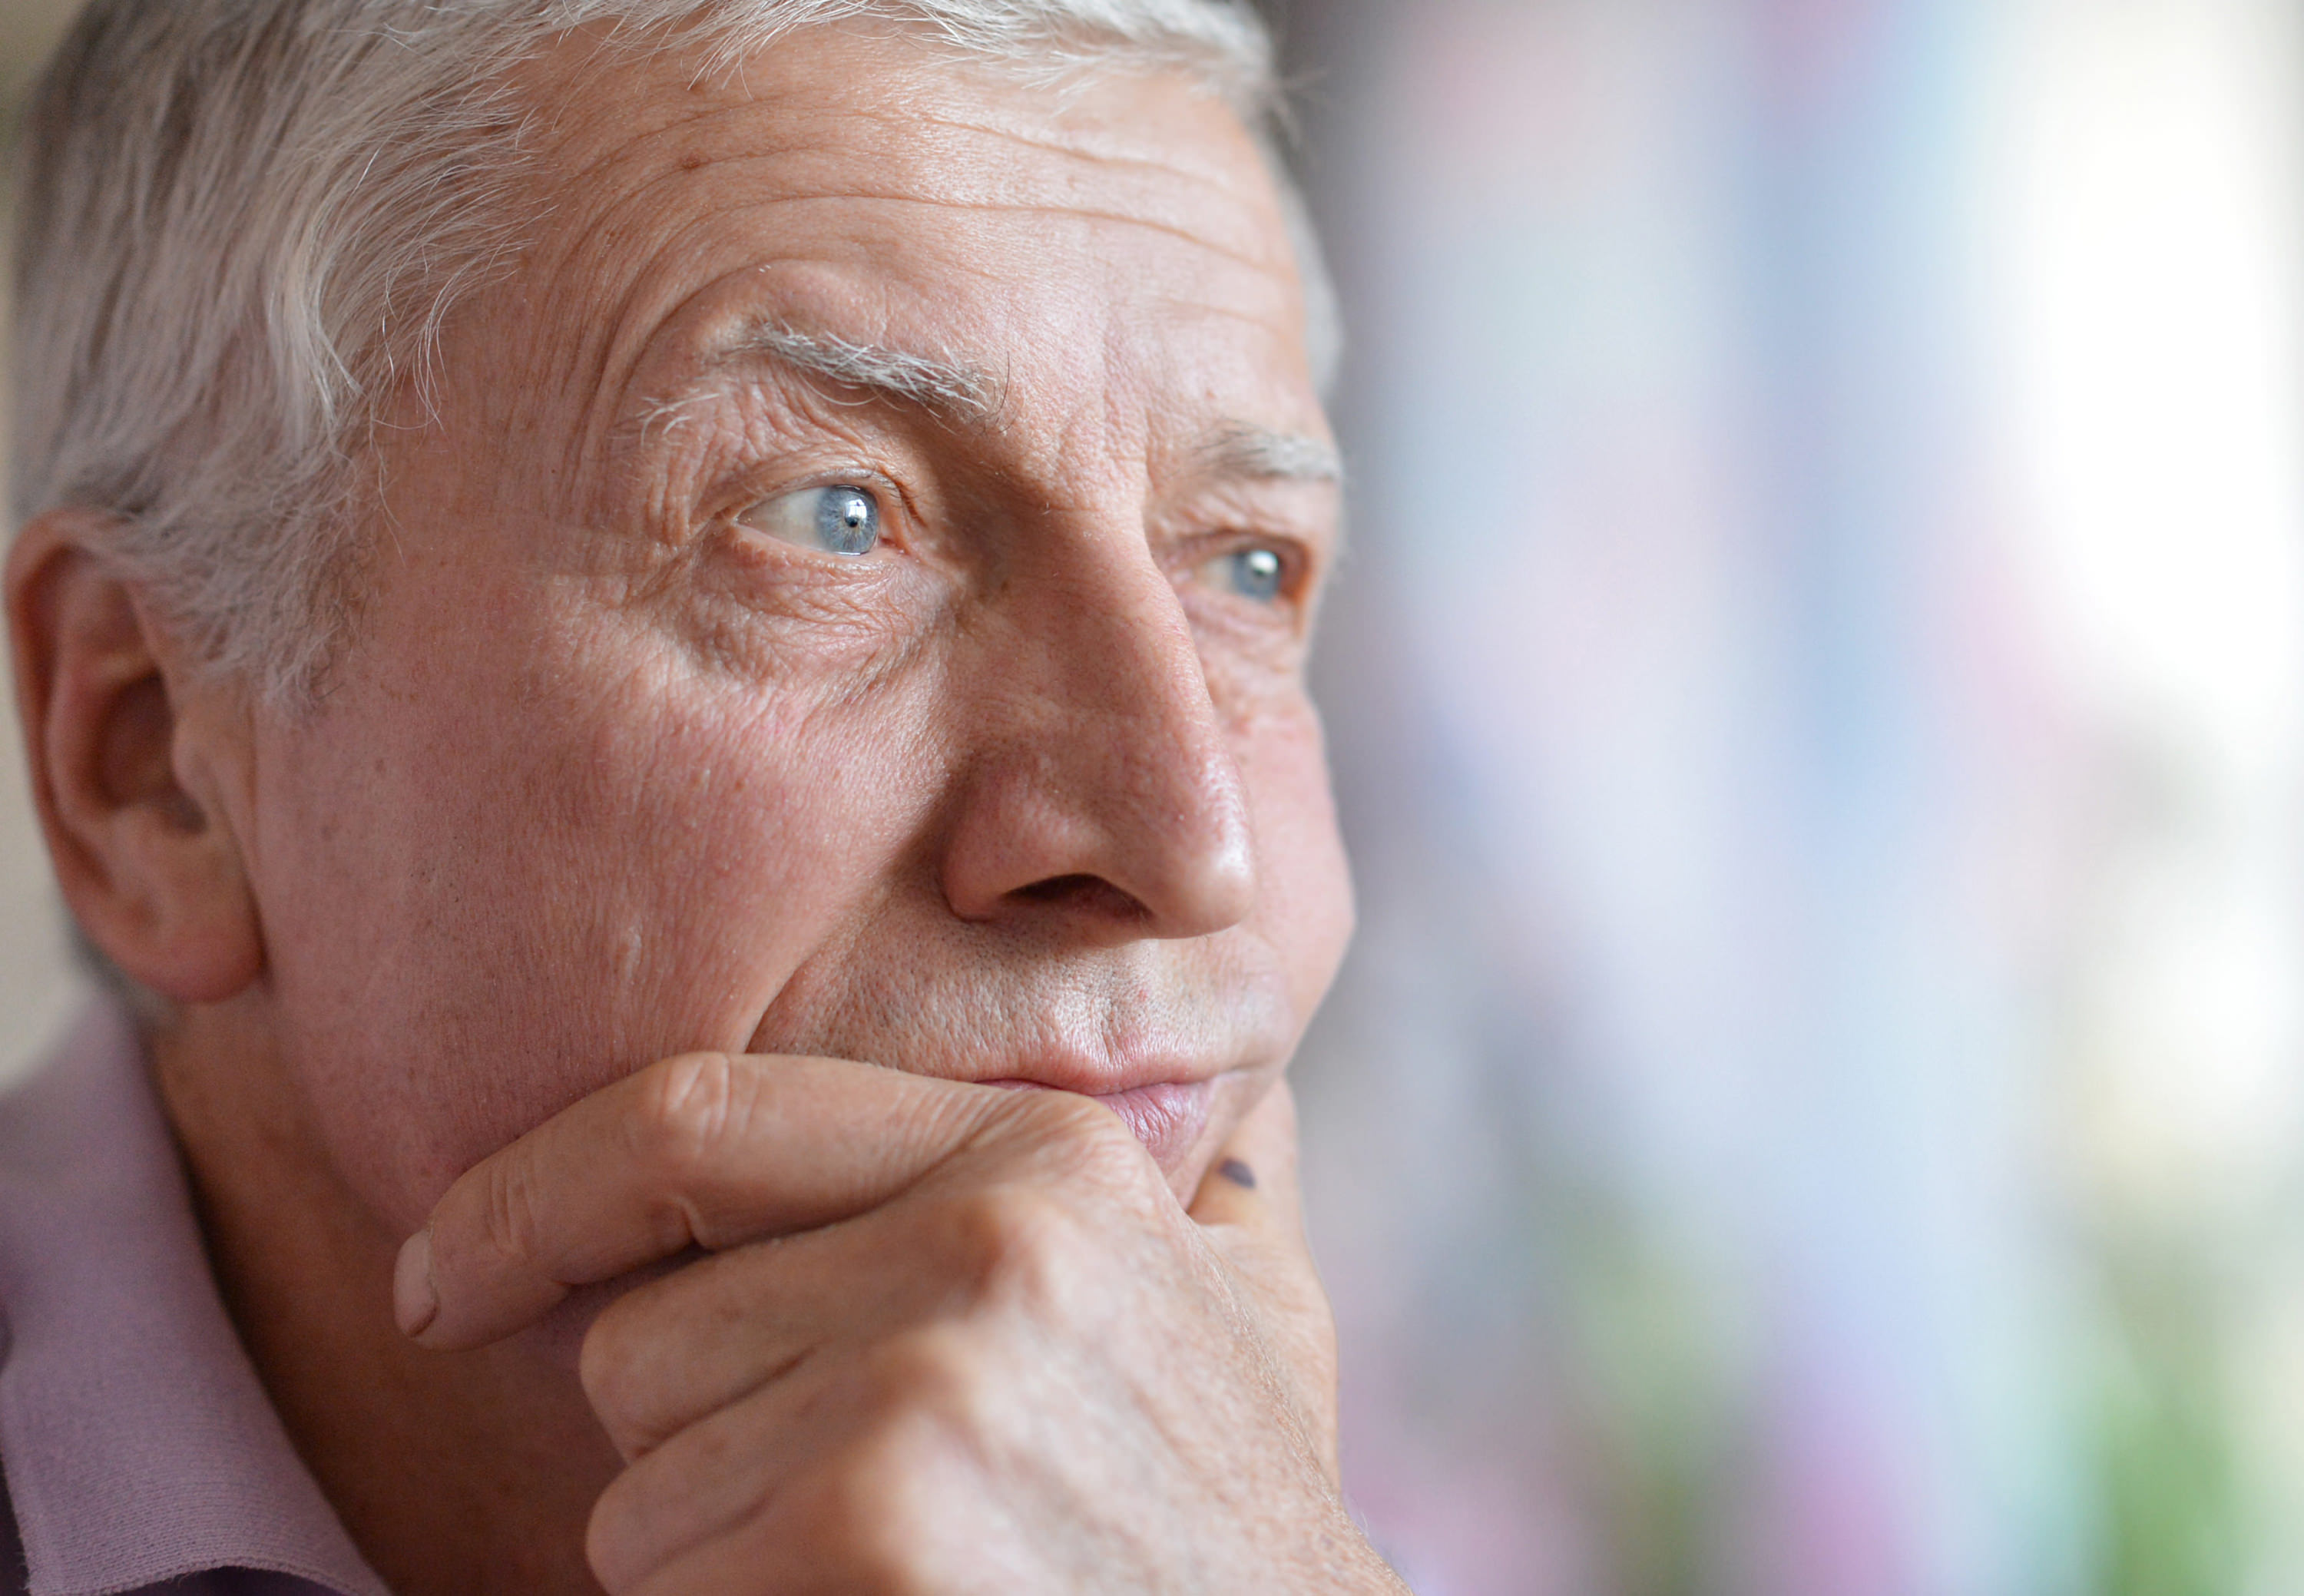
[[122, 776]]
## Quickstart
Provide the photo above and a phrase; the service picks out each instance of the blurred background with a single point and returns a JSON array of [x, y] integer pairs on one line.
[[41, 985], [1816, 1107]]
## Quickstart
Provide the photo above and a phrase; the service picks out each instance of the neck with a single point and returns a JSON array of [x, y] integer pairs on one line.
[[454, 1474]]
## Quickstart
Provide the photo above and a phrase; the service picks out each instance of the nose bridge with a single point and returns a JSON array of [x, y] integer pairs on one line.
[[1122, 654], [1108, 761]]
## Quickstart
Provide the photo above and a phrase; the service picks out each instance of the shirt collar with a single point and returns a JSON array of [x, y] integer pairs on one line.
[[138, 1442]]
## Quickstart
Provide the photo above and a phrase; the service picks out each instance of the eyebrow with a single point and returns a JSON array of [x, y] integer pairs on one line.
[[1240, 450], [967, 394], [947, 387]]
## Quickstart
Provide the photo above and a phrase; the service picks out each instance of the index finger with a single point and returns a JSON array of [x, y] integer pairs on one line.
[[706, 1150]]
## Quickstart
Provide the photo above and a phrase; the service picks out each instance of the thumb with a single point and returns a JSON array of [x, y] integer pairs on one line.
[[1252, 1185], [1252, 1208]]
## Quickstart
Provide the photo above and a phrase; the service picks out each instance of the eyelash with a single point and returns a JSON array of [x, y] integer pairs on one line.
[[1221, 604], [747, 492], [900, 518]]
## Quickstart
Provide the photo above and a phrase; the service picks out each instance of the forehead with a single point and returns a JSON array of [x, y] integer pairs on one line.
[[1112, 240]]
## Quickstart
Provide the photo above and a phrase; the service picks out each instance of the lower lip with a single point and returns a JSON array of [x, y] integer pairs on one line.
[[1167, 1117]]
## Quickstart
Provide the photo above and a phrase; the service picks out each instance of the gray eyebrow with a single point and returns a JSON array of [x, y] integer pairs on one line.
[[967, 394], [1240, 450], [929, 381]]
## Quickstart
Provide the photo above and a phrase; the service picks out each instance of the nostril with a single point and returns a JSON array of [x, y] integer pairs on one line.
[[1091, 894]]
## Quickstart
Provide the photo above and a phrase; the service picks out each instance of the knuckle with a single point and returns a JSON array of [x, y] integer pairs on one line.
[[1088, 1132], [929, 1372], [874, 1514], [512, 1213], [615, 1368], [1013, 1243], [616, 1542], [889, 1506], [1086, 1146], [688, 1107]]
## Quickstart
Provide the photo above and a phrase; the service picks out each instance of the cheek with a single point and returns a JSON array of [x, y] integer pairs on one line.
[[1304, 890], [556, 885]]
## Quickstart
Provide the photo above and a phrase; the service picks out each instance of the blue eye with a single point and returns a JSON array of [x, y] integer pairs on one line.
[[840, 520], [1256, 573]]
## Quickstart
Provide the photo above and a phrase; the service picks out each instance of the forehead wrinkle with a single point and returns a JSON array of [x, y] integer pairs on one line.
[[1034, 209], [644, 147], [638, 171], [635, 199], [1122, 219], [814, 135], [830, 142], [904, 122], [1075, 152]]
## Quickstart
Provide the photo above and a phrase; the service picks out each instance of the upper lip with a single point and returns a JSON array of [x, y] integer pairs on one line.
[[1093, 1032], [1091, 1076]]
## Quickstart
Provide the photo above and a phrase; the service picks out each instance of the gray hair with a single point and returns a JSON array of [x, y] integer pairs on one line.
[[243, 220]]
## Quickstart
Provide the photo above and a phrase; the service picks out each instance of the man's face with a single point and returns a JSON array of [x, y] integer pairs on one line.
[[949, 717]]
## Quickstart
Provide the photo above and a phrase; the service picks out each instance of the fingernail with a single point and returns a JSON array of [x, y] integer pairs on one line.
[[415, 1305], [1238, 1173]]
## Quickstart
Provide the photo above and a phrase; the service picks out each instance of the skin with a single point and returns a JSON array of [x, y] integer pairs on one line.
[[580, 1026]]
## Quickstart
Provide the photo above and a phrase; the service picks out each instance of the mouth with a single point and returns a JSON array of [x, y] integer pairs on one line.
[[1167, 1116]]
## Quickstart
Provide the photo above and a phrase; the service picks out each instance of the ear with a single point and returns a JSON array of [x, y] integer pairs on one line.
[[128, 770]]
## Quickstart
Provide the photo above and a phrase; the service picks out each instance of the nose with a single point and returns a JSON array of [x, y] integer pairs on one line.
[[1097, 787]]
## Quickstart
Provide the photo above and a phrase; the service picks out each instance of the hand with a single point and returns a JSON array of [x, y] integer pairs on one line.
[[949, 1338]]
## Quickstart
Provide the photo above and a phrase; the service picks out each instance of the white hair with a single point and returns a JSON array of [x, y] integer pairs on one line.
[[242, 220]]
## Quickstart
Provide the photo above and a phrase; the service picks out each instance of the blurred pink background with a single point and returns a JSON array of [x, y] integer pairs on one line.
[[1814, 1109]]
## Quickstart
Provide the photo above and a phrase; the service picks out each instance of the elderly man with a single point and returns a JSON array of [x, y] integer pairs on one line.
[[663, 644]]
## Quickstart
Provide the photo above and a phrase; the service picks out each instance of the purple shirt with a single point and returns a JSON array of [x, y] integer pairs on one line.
[[138, 1446]]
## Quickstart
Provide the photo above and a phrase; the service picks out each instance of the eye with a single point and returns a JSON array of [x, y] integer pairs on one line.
[[1259, 574], [838, 520]]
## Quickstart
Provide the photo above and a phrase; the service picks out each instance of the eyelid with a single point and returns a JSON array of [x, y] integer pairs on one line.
[[749, 489], [1298, 557], [1300, 573]]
